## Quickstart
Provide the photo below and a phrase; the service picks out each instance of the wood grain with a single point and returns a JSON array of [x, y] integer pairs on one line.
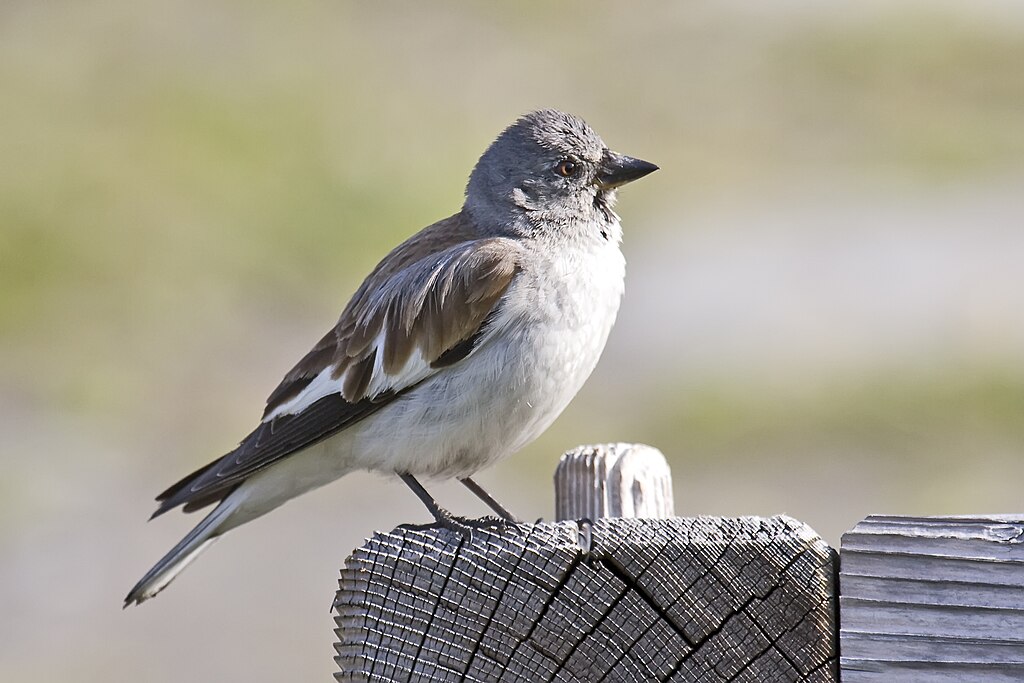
[[933, 599]]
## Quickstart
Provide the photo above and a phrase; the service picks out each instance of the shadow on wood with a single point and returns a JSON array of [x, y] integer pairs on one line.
[[681, 599]]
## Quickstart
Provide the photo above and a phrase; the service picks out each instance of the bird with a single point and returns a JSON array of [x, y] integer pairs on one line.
[[460, 347]]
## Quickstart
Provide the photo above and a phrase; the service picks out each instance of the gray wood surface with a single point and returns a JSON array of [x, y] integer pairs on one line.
[[933, 599], [613, 480], [698, 599]]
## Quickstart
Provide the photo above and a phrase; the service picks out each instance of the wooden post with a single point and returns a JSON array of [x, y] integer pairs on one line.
[[613, 480], [935, 599], [681, 599]]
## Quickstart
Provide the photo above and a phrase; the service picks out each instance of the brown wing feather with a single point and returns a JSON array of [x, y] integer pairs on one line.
[[433, 308], [349, 340]]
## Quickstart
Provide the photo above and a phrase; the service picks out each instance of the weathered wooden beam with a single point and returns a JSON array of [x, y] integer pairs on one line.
[[613, 480], [703, 599], [696, 599], [933, 599]]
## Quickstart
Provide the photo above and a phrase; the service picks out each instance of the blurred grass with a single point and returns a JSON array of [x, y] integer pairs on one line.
[[950, 414], [932, 92]]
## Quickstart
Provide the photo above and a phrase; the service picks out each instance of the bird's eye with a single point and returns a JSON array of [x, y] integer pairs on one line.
[[567, 169]]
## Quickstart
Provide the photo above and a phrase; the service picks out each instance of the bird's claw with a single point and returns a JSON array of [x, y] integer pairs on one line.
[[464, 526]]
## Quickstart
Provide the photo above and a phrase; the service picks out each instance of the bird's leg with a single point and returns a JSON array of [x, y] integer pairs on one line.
[[443, 517], [446, 519], [440, 514], [479, 492]]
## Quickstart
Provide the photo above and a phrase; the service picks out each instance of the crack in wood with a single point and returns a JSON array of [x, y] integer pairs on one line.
[[389, 586], [588, 633], [773, 640], [708, 638], [613, 566], [497, 604]]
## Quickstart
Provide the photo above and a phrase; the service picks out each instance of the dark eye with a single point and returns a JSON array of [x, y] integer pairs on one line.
[[567, 169]]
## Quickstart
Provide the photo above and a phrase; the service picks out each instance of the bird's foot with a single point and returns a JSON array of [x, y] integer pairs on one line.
[[488, 522], [464, 526], [480, 493]]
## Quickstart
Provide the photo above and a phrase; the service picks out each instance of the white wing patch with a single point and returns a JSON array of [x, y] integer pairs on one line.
[[415, 370], [322, 385]]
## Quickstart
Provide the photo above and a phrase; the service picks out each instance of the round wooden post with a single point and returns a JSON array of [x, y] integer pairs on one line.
[[613, 480]]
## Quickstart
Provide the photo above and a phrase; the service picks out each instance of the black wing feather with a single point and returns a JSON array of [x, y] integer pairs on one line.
[[267, 444]]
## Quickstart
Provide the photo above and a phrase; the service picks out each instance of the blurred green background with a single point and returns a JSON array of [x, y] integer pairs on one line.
[[825, 297]]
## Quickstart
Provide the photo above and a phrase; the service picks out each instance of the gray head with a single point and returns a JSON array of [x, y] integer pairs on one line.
[[548, 171]]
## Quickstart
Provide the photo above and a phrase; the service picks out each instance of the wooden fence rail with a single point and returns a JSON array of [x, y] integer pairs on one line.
[[618, 589], [933, 599]]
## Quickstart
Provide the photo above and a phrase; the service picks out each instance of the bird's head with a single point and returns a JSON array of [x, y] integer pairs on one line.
[[549, 170]]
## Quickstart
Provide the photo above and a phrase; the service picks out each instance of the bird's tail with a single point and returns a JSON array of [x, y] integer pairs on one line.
[[188, 548]]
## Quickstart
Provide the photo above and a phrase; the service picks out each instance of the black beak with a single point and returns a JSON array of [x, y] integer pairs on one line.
[[618, 169]]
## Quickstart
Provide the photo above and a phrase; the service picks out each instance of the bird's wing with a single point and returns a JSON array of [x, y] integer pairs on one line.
[[404, 324]]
